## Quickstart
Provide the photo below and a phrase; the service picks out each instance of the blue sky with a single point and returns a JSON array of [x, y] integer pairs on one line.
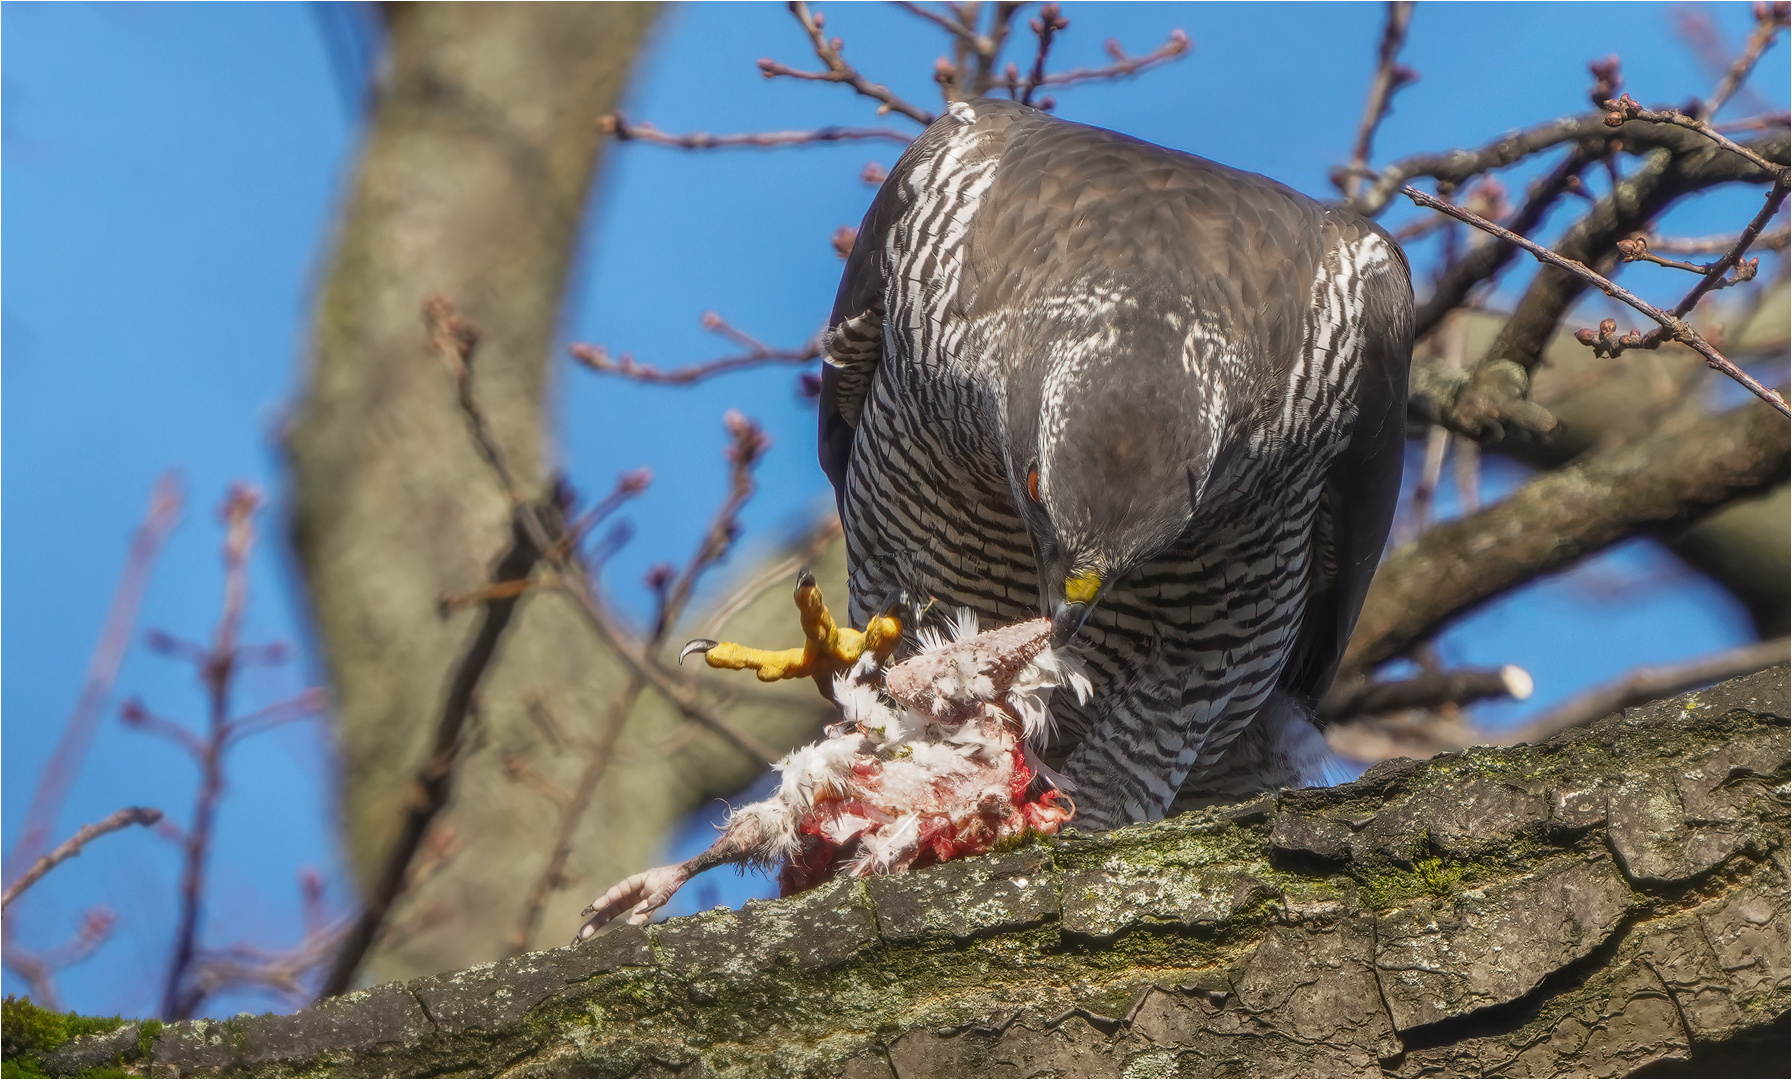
[[169, 178]]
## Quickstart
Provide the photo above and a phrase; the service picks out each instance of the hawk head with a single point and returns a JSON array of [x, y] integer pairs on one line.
[[1112, 442]]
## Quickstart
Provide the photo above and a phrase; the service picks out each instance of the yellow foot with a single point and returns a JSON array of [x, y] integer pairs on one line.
[[828, 649]]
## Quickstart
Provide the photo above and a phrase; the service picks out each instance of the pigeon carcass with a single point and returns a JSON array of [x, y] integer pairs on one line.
[[929, 762]]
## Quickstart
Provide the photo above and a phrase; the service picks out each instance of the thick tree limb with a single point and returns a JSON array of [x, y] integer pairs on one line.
[[1556, 519], [1603, 905]]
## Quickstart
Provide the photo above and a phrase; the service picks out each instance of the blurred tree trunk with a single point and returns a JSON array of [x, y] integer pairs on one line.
[[472, 184]]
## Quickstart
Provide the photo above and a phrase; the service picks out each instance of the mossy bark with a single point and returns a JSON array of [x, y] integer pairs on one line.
[[1613, 902]]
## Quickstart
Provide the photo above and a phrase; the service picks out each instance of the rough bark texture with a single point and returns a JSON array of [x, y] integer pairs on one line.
[[1610, 903]]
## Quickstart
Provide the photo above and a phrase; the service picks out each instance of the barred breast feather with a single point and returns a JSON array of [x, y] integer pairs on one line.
[[1004, 234]]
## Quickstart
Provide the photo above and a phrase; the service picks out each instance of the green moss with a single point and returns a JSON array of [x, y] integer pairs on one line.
[[26, 1029], [1429, 877], [147, 1033]]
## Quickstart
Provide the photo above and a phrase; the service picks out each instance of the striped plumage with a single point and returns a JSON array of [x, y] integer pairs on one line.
[[1076, 374]]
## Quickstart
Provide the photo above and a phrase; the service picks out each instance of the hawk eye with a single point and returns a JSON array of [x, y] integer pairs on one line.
[[1033, 482]]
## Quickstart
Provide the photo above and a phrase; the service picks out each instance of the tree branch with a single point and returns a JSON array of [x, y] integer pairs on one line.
[[1674, 327], [622, 130], [1648, 684], [1559, 518], [1430, 690], [1769, 19], [758, 354], [1485, 262], [68, 849], [1389, 78], [102, 671], [838, 70]]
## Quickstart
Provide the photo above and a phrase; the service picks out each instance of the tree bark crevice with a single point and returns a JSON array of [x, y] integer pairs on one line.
[[1610, 903]]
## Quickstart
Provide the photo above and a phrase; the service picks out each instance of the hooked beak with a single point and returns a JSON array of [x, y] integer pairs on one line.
[[1067, 619], [1071, 606]]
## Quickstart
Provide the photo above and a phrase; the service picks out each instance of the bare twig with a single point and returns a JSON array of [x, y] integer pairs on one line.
[[1712, 245], [1430, 690], [1176, 46], [179, 999], [951, 26], [624, 131], [96, 686], [1045, 28], [808, 550], [39, 969], [1648, 684], [284, 971], [68, 849], [1714, 274], [1769, 19], [455, 339], [628, 485], [1625, 108], [747, 447], [1389, 78], [304, 705], [1676, 327], [758, 354], [838, 70], [1636, 249], [1482, 263], [135, 714], [1764, 122]]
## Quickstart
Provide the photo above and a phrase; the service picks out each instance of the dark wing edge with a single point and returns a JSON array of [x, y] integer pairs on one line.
[[1362, 487], [852, 344]]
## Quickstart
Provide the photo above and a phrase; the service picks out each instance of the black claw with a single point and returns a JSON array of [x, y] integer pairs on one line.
[[695, 645], [895, 605], [805, 578]]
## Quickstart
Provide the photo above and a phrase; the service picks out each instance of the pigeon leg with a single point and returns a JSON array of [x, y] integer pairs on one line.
[[828, 648], [644, 893]]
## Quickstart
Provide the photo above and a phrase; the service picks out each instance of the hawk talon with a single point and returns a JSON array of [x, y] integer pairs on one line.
[[828, 649]]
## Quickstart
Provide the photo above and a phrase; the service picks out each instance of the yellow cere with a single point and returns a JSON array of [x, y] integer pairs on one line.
[[1082, 588]]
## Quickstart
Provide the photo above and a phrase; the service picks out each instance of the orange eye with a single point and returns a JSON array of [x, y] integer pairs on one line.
[[1033, 483]]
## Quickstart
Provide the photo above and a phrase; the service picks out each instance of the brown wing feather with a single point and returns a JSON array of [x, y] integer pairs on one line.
[[1363, 485]]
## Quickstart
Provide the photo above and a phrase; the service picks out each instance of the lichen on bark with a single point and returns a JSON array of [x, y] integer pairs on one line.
[[1612, 901]]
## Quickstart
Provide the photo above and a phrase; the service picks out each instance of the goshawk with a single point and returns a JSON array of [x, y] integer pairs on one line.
[[1158, 399]]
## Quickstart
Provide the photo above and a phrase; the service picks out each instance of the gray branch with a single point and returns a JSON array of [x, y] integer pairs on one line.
[[1601, 905]]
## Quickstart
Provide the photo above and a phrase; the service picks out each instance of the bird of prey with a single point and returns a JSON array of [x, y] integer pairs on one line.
[[1153, 398]]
